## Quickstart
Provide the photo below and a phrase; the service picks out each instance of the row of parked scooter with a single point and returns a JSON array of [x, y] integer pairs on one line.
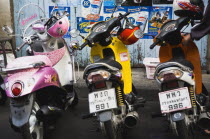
[[41, 85]]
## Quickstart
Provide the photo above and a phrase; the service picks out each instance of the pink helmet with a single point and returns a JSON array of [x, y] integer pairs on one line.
[[58, 27]]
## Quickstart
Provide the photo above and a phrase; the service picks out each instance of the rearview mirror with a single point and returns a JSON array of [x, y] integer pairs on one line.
[[8, 30], [38, 27], [74, 44], [54, 1], [137, 1], [118, 2], [74, 33]]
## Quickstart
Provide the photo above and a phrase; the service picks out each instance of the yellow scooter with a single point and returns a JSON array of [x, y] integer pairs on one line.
[[111, 94]]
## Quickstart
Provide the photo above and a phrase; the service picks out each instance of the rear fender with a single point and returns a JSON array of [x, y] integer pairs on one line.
[[21, 109]]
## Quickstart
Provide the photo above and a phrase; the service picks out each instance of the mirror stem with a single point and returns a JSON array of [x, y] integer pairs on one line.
[[82, 36]]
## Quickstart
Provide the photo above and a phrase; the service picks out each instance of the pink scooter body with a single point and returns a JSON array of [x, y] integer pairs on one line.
[[34, 79]]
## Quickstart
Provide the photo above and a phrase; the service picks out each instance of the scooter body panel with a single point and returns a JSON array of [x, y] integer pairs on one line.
[[60, 59], [121, 55], [32, 80], [191, 54], [66, 74]]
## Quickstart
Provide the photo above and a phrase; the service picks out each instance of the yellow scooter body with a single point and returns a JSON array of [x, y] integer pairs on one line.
[[121, 55]]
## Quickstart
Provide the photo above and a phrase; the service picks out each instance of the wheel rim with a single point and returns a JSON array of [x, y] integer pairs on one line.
[[35, 127]]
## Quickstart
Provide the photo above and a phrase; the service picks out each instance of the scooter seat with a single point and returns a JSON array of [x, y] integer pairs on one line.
[[28, 60], [103, 63], [174, 63]]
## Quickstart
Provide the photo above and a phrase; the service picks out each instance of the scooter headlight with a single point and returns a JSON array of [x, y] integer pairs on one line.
[[98, 76], [162, 76]]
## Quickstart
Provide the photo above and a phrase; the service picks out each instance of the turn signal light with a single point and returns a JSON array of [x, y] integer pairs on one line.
[[16, 89]]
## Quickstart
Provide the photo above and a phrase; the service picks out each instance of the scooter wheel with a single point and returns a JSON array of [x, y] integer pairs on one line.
[[33, 123], [76, 99], [3, 97]]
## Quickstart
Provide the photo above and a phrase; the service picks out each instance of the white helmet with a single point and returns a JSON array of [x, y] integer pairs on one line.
[[190, 8]]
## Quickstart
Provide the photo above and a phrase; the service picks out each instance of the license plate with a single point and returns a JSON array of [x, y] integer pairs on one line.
[[102, 100], [175, 100]]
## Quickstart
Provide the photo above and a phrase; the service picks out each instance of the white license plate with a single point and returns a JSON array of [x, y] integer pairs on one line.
[[102, 100], [175, 100]]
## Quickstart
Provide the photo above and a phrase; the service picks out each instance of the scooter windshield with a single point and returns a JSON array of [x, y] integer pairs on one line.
[[28, 16]]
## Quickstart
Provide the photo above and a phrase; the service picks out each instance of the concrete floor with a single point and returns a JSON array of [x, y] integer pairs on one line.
[[70, 125]]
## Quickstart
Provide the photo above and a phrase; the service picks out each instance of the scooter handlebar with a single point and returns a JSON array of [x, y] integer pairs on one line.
[[83, 45], [155, 43], [124, 15], [21, 46]]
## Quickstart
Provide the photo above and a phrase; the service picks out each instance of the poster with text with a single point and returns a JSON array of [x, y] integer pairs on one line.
[[158, 15], [91, 9], [109, 3], [139, 16], [59, 11], [84, 25]]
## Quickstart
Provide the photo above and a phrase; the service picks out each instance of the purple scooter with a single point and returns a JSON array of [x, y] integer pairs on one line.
[[40, 86]]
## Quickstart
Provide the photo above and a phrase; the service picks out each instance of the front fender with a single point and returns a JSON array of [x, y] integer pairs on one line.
[[21, 109]]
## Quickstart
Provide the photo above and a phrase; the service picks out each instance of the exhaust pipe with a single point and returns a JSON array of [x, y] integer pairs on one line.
[[204, 121], [48, 113], [131, 119]]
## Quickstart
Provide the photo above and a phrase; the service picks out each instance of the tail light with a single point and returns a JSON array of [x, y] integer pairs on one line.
[[17, 89], [172, 84], [169, 75], [98, 76], [99, 85], [98, 81]]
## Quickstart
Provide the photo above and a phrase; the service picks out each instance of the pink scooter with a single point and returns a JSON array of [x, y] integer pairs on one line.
[[41, 86]]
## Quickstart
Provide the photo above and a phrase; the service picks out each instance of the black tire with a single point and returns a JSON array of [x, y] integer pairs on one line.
[[112, 132], [3, 97], [184, 131], [38, 132]]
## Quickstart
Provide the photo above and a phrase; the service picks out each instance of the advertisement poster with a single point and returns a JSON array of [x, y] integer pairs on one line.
[[162, 1], [158, 15], [59, 11], [75, 2], [84, 25], [139, 16], [91, 9], [109, 3], [109, 10]]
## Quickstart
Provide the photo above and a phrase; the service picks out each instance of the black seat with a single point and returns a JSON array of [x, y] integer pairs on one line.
[[167, 64], [99, 64]]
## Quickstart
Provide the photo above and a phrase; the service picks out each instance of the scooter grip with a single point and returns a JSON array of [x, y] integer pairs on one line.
[[126, 14], [154, 44], [83, 45]]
